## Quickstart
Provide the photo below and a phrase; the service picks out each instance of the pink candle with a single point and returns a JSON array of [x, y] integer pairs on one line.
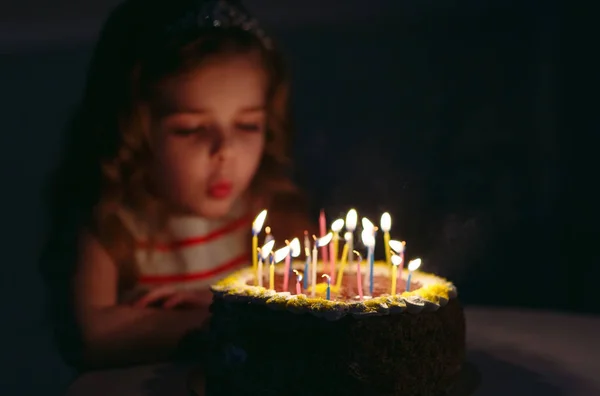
[[323, 229], [286, 272], [358, 281], [298, 281]]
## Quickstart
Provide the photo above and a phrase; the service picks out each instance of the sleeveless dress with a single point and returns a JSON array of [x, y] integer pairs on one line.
[[197, 253]]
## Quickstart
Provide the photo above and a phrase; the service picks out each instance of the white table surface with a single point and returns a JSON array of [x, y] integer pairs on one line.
[[518, 352]]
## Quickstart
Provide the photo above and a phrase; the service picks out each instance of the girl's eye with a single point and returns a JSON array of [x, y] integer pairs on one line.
[[249, 127], [201, 130]]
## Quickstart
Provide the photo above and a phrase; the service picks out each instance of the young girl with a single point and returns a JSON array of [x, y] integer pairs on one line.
[[181, 138]]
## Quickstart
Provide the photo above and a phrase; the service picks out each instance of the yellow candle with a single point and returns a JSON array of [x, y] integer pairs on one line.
[[254, 253], [336, 242], [386, 225], [272, 276], [342, 267], [386, 243], [396, 260], [257, 225]]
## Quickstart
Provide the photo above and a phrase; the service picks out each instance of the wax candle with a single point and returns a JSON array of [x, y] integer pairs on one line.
[[351, 220], [307, 262], [398, 248], [268, 236], [276, 258], [271, 273], [358, 275], [347, 237], [265, 252], [328, 279], [413, 265], [298, 280], [334, 246], [386, 225], [294, 251], [396, 261], [369, 242], [319, 242], [256, 227], [323, 230]]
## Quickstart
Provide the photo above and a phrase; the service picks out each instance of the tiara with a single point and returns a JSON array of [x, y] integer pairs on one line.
[[220, 14]]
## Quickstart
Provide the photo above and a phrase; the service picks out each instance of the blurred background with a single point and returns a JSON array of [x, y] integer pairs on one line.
[[445, 114]]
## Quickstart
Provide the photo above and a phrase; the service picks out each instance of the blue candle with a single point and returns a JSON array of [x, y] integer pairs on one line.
[[306, 272], [328, 278], [412, 266], [408, 281]]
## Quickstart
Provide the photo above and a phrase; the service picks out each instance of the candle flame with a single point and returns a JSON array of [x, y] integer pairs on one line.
[[337, 225], [367, 238], [413, 265], [348, 236], [351, 219], [357, 253], [368, 225], [397, 246], [258, 223], [323, 241], [295, 247], [386, 222], [396, 260], [281, 254], [298, 276], [327, 277], [265, 251]]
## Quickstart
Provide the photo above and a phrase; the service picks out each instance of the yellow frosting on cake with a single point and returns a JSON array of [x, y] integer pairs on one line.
[[435, 290]]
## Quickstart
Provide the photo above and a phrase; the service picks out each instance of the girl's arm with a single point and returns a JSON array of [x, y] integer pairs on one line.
[[116, 334]]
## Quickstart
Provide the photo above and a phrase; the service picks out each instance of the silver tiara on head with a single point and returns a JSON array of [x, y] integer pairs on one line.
[[220, 14]]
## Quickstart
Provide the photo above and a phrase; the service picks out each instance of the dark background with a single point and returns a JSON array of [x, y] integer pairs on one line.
[[448, 115]]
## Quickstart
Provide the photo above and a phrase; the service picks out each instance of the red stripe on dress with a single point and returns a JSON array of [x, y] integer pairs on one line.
[[218, 233], [195, 276]]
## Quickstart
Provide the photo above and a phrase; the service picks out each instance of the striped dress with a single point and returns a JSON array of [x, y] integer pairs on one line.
[[198, 252]]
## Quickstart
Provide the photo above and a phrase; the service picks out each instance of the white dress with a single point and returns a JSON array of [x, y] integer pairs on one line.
[[198, 252]]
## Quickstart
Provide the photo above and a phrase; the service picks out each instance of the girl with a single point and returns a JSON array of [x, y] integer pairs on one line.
[[181, 138]]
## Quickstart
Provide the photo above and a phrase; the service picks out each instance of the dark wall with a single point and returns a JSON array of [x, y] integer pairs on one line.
[[447, 118]]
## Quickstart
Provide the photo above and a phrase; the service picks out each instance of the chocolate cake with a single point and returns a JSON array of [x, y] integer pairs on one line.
[[267, 342]]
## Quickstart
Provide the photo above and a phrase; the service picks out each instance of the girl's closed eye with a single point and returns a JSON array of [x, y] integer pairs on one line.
[[249, 126], [201, 130]]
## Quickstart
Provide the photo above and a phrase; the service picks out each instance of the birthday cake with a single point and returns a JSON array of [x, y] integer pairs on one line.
[[357, 327]]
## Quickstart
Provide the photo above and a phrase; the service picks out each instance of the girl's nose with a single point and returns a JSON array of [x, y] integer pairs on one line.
[[221, 143]]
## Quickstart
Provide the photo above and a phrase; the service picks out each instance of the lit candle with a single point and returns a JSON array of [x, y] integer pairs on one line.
[[351, 220], [265, 252], [396, 261], [298, 280], [256, 227], [386, 225], [328, 278], [413, 265], [323, 230], [398, 248], [333, 256], [268, 236], [307, 262], [347, 237], [293, 252], [277, 257], [358, 282], [369, 242], [319, 242]]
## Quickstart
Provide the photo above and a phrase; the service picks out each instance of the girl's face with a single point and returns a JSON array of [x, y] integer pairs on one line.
[[207, 133]]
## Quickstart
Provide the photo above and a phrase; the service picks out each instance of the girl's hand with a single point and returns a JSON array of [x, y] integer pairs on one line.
[[170, 298]]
